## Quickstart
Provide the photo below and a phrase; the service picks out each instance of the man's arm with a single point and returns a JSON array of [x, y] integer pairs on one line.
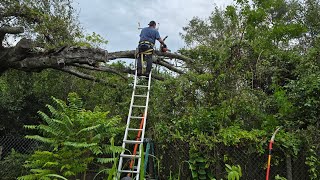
[[159, 38], [161, 41]]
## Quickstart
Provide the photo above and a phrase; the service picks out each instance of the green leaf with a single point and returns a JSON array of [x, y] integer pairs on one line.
[[106, 160], [200, 159], [202, 172], [56, 176]]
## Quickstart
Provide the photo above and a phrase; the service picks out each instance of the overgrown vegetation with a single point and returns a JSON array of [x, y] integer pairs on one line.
[[256, 67], [78, 139]]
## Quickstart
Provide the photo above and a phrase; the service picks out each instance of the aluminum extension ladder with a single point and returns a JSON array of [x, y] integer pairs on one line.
[[140, 93]]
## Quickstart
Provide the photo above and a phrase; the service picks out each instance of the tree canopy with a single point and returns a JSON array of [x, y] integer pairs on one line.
[[247, 69], [49, 36]]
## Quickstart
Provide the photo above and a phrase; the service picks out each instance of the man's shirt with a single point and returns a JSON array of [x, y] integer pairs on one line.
[[149, 34]]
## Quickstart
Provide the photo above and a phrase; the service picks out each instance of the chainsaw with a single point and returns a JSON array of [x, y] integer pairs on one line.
[[164, 48]]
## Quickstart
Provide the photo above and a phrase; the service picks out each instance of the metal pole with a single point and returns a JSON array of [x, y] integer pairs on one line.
[[270, 150]]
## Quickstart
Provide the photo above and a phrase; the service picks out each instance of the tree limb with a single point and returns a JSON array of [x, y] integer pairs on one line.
[[82, 75], [131, 55], [104, 69], [9, 30], [169, 66], [132, 71], [26, 58]]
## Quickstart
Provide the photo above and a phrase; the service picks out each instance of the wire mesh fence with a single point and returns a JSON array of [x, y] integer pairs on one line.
[[174, 161], [174, 156], [19, 144]]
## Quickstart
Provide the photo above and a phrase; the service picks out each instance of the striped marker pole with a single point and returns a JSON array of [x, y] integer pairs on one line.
[[270, 150]]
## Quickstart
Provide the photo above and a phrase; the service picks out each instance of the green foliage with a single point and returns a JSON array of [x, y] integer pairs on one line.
[[92, 40], [50, 23], [256, 67], [277, 177], [234, 172], [78, 138], [199, 166], [313, 162], [12, 166]]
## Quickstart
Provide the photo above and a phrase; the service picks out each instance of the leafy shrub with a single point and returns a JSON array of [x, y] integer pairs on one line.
[[79, 140]]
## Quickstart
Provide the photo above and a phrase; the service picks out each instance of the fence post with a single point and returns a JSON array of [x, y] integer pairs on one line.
[[289, 166]]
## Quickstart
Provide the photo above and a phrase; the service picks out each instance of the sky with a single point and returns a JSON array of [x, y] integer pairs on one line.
[[117, 20]]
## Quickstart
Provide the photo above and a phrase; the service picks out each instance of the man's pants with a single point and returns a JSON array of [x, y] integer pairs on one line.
[[146, 58]]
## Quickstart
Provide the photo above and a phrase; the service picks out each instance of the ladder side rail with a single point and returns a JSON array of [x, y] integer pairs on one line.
[[146, 109], [128, 122], [130, 109]]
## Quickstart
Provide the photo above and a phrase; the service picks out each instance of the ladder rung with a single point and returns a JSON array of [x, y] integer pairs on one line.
[[129, 171], [134, 129], [132, 142], [142, 86], [140, 95], [129, 156], [139, 106], [136, 117]]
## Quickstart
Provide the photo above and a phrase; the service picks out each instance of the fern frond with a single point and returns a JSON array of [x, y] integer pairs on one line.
[[46, 118], [79, 145], [69, 173], [62, 124], [51, 164], [75, 102], [30, 126], [108, 149], [28, 177], [97, 137], [67, 119], [41, 139], [89, 129], [96, 150], [48, 129], [41, 171], [53, 111], [106, 160], [56, 176], [61, 104]]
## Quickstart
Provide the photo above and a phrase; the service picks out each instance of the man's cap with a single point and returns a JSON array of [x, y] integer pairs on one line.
[[152, 23]]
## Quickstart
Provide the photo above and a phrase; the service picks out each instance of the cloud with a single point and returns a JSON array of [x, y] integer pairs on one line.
[[117, 21]]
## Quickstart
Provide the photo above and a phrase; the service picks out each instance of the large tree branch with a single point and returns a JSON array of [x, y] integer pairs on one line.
[[132, 71], [25, 57], [169, 66], [82, 75], [9, 30], [131, 55], [161, 55], [103, 69], [56, 59]]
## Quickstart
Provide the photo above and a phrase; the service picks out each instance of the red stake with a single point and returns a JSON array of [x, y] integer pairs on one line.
[[270, 150]]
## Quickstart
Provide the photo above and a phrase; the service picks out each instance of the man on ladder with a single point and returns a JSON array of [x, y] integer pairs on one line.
[[148, 37]]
